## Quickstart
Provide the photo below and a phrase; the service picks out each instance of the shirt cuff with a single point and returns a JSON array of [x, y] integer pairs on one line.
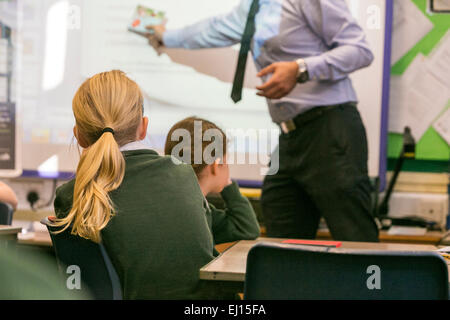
[[316, 68], [171, 38]]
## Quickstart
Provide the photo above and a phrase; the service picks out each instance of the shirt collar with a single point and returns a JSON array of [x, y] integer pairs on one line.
[[135, 145], [206, 204]]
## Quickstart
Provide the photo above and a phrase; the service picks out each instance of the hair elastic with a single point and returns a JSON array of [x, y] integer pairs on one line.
[[107, 129]]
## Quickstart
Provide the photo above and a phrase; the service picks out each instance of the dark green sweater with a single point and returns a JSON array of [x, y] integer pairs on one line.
[[237, 221], [27, 274], [161, 236]]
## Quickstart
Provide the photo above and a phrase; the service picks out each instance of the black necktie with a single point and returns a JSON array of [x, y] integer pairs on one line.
[[246, 41]]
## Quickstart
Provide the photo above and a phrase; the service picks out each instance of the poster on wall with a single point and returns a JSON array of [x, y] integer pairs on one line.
[[420, 77], [440, 6]]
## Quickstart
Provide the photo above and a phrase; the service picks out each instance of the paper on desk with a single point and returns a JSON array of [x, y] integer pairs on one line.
[[445, 253], [445, 249], [39, 227], [407, 231], [442, 126]]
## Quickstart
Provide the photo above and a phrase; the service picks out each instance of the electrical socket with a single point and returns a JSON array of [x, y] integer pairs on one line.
[[22, 187], [29, 186]]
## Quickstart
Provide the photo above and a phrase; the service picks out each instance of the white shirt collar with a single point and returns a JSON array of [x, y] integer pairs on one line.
[[135, 145], [206, 204]]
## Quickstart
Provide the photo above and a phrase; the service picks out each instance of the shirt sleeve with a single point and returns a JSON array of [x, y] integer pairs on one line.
[[220, 31], [238, 221], [349, 51]]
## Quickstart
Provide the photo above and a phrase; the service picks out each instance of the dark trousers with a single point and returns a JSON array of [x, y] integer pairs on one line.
[[322, 173]]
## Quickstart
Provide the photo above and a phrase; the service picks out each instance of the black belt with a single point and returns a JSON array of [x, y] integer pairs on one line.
[[303, 118]]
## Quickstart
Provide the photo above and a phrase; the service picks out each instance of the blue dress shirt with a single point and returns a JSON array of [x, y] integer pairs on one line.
[[322, 32]]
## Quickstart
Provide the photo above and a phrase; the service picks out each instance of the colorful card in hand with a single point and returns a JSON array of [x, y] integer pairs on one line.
[[334, 244], [144, 17]]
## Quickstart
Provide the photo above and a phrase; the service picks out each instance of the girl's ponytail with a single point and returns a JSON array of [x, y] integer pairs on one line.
[[109, 103], [100, 171]]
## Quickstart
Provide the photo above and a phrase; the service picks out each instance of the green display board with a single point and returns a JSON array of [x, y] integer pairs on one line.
[[431, 147]]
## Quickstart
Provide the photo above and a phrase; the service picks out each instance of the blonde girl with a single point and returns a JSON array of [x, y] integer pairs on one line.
[[146, 210]]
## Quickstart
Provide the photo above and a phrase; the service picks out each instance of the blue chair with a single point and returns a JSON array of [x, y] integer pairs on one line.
[[98, 277], [281, 272], [6, 214]]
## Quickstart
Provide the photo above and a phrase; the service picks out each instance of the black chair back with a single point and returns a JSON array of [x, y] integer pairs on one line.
[[298, 273], [98, 276], [6, 214]]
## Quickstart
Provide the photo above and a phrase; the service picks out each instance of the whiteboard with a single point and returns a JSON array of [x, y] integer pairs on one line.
[[64, 42]]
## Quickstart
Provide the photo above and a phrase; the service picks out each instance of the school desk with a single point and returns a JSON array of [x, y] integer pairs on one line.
[[9, 232], [42, 238], [430, 237], [38, 238], [8, 236], [231, 265]]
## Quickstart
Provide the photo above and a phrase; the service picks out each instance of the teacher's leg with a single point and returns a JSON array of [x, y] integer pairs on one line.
[[287, 210], [337, 178]]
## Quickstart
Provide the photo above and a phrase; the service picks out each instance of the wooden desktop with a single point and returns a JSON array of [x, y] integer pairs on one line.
[[42, 238], [231, 264]]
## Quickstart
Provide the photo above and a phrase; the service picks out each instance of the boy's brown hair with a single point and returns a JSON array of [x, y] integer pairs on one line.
[[189, 125]]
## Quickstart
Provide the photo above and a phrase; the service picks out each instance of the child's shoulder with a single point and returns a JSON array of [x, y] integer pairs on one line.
[[66, 189], [154, 162], [149, 156], [173, 168], [64, 198]]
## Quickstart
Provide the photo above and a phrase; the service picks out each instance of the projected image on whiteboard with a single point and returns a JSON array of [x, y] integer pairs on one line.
[[64, 42], [178, 83]]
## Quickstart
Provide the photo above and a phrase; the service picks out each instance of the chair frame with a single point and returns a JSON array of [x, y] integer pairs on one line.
[[116, 290], [272, 261], [9, 214]]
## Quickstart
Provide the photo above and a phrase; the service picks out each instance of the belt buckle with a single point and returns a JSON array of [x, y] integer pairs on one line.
[[288, 126]]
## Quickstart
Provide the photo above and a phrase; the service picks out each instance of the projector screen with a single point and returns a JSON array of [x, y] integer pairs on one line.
[[63, 42]]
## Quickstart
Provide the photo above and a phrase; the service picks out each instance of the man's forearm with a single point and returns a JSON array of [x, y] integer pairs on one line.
[[192, 37], [220, 31], [338, 63]]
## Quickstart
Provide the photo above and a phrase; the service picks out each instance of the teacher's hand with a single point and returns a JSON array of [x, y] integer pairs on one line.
[[155, 39], [283, 80]]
